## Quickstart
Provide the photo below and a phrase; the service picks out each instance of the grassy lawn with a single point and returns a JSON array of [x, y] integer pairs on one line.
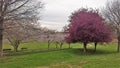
[[34, 45], [105, 57]]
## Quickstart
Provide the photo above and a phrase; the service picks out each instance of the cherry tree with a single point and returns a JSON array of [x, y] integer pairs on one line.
[[87, 26]]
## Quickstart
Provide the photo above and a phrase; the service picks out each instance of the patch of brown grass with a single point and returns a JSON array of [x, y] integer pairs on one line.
[[43, 67]]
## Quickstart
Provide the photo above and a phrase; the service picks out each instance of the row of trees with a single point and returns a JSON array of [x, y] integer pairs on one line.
[[18, 22], [88, 25]]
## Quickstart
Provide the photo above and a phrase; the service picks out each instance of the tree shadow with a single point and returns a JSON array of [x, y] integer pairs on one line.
[[31, 52], [76, 51], [79, 51]]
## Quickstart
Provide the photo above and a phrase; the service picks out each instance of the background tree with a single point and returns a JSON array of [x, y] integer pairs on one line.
[[112, 15], [54, 36], [17, 9], [86, 26], [16, 33], [68, 40], [49, 36], [65, 29]]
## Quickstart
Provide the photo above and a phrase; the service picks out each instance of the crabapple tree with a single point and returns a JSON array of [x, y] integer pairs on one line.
[[86, 25]]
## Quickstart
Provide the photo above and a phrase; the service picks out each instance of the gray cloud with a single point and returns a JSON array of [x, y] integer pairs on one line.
[[58, 11]]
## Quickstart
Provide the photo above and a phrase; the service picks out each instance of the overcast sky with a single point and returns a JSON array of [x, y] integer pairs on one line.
[[56, 12]]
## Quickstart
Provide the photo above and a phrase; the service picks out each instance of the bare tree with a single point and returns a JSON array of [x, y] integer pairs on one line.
[[49, 36], [112, 15], [61, 44], [65, 30], [17, 9], [59, 39], [17, 33]]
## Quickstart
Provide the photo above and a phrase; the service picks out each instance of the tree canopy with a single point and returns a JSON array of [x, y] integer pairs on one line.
[[87, 26]]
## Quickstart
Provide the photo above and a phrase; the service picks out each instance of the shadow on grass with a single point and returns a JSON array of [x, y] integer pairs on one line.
[[30, 51], [76, 51], [79, 51]]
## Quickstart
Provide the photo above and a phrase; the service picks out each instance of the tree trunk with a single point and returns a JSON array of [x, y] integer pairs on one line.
[[69, 45], [118, 49], [48, 44], [61, 44], [95, 46], [56, 44], [1, 36], [118, 33], [16, 44], [15, 48], [85, 47]]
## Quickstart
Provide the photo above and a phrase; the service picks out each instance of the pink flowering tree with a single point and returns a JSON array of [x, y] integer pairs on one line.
[[87, 26]]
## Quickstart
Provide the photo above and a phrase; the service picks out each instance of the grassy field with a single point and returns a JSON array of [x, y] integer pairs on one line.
[[34, 45], [105, 57]]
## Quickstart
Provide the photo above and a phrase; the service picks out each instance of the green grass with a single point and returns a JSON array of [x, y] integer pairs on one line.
[[35, 45], [105, 57]]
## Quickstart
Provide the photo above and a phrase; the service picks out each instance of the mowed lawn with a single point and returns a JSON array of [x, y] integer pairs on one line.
[[105, 57]]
